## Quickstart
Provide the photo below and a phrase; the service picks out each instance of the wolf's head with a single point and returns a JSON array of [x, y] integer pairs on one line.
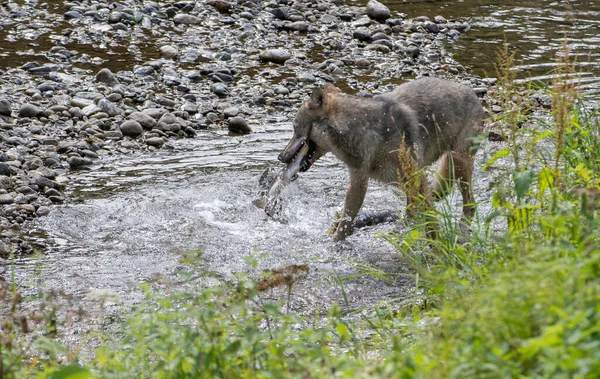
[[309, 125]]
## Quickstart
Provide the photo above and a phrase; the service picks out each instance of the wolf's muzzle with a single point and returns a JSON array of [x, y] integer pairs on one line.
[[294, 149], [291, 150]]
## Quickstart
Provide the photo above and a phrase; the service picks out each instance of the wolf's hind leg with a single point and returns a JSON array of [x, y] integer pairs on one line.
[[444, 176], [457, 168]]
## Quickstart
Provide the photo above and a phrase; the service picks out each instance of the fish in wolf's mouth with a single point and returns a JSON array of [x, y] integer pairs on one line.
[[299, 152], [300, 160]]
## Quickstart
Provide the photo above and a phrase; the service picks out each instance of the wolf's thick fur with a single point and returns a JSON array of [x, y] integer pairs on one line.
[[432, 118]]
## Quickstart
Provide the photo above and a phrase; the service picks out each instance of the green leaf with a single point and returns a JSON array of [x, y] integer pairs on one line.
[[71, 372], [502, 153], [522, 181], [545, 180], [541, 137]]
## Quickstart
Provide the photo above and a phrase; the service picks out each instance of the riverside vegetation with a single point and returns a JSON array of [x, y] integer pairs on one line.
[[518, 297]]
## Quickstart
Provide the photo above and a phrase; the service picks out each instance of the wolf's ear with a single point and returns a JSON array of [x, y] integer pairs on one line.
[[318, 98]]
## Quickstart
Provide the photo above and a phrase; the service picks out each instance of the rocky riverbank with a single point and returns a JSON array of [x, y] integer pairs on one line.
[[159, 71]]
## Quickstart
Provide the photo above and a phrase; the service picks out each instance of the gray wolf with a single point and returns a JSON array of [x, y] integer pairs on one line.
[[431, 119]]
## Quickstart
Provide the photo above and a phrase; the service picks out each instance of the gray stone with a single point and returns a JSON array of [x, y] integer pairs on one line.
[[5, 249], [188, 19], [77, 162], [5, 108], [306, 77], [115, 17], [238, 125], [5, 169], [190, 107], [362, 63], [43, 182], [413, 51], [72, 14], [131, 128], [219, 89], [52, 192], [43, 211], [43, 69], [362, 34], [108, 107], [281, 90], [64, 146], [298, 26], [5, 182], [90, 110], [169, 52], [7, 199], [113, 134], [114, 97], [378, 11], [433, 28], [29, 110], [144, 70], [29, 208], [155, 141], [168, 118], [106, 76], [155, 113], [146, 121], [21, 199], [275, 55], [231, 112]]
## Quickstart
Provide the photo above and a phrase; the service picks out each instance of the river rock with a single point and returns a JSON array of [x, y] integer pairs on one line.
[[113, 135], [5, 249], [219, 89], [220, 5], [43, 182], [7, 199], [132, 128], [275, 55], [5, 108], [78, 162], [231, 112], [378, 11], [362, 34], [29, 110], [155, 141], [238, 125], [108, 107], [169, 52], [5, 169], [154, 113], [413, 51], [145, 120], [281, 90], [106, 76], [43, 211], [188, 19], [5, 182], [190, 107]]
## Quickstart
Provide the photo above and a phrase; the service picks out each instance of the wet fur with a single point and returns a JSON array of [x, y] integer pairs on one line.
[[435, 119]]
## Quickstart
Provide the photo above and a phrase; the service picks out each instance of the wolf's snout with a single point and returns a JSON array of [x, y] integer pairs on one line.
[[291, 150]]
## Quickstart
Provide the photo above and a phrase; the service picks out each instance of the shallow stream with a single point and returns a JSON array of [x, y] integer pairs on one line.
[[130, 218]]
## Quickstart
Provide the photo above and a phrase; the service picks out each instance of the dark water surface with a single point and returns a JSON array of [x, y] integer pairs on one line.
[[536, 30]]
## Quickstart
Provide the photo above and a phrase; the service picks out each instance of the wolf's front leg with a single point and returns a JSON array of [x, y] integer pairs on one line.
[[354, 200]]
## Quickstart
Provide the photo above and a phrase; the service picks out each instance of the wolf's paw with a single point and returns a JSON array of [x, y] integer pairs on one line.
[[343, 228]]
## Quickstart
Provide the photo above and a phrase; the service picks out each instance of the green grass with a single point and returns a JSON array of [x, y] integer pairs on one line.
[[523, 301]]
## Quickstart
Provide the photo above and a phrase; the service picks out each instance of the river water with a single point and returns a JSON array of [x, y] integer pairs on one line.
[[536, 30], [129, 219]]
